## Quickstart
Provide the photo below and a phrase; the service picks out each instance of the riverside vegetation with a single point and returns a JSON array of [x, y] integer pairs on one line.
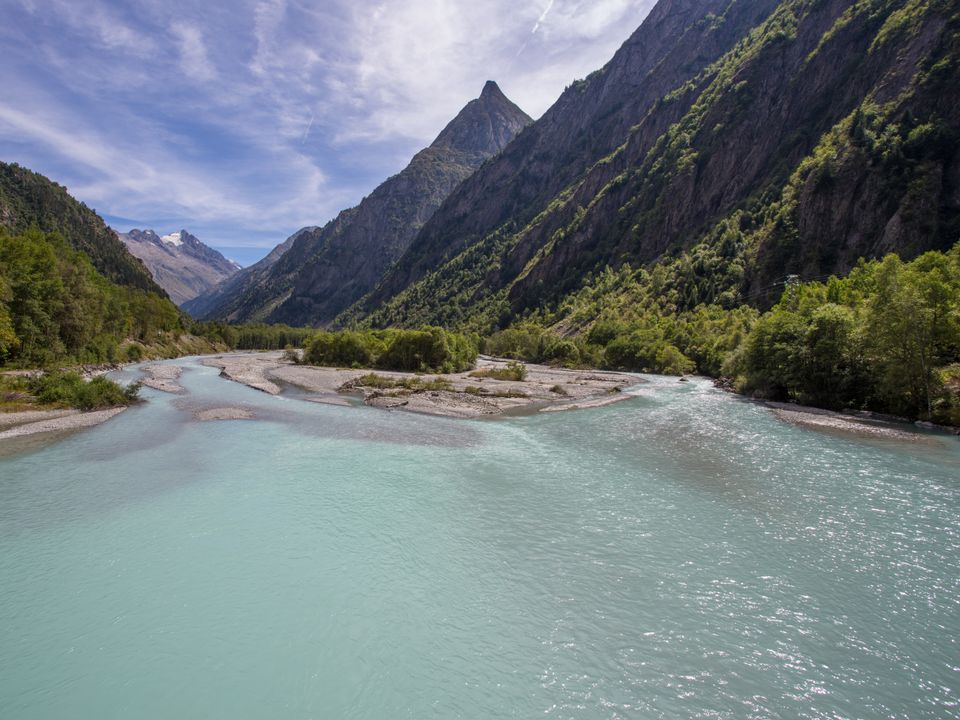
[[718, 198], [886, 337]]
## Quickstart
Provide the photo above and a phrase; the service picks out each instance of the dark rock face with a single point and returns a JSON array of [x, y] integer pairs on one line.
[[329, 268], [242, 288], [586, 124], [179, 262], [714, 110]]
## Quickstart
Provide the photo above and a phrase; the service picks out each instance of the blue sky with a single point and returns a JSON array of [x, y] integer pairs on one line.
[[243, 121]]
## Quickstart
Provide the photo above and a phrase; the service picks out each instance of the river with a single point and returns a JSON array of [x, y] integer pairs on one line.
[[682, 554]]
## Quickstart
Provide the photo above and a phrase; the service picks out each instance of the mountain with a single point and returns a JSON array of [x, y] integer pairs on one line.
[[69, 289], [29, 199], [735, 143], [223, 300], [329, 268], [179, 262]]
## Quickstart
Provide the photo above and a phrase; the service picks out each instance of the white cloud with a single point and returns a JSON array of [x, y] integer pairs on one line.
[[193, 53], [268, 16], [307, 107]]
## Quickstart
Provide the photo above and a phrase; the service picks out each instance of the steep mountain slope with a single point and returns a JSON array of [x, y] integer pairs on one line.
[[776, 138], [69, 289], [328, 269], [223, 300], [588, 122], [30, 199], [179, 262]]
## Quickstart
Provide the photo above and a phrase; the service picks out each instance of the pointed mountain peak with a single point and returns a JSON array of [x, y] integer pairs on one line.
[[490, 90], [485, 125]]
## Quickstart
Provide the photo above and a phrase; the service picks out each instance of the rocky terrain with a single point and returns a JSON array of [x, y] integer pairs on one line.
[[327, 269], [465, 395], [777, 137], [179, 262]]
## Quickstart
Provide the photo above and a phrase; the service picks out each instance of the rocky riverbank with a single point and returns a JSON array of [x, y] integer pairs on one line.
[[471, 394], [828, 420], [43, 421]]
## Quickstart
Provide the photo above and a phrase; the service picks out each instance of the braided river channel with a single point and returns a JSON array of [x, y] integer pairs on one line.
[[682, 554]]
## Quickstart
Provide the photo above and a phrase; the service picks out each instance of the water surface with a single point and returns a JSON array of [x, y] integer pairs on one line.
[[683, 554]]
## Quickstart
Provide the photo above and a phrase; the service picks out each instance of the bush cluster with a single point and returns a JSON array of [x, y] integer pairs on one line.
[[513, 371], [69, 389], [429, 349], [887, 338]]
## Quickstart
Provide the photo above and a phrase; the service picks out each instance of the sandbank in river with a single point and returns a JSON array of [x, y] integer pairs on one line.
[[545, 389]]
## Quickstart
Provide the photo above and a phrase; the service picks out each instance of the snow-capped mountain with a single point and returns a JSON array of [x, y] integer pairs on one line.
[[179, 262]]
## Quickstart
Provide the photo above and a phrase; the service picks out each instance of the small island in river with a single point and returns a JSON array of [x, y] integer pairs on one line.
[[471, 394]]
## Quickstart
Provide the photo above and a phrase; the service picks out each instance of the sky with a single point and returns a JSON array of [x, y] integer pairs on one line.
[[244, 121]]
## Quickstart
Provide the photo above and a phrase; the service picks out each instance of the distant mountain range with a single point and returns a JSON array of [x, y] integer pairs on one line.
[[326, 269], [252, 281], [179, 262]]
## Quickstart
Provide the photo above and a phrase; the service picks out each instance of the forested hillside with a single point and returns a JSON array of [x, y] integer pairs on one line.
[[70, 292], [28, 199], [56, 306]]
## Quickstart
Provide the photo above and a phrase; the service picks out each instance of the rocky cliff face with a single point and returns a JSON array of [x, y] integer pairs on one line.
[[179, 262], [589, 121], [329, 268], [243, 288], [794, 136]]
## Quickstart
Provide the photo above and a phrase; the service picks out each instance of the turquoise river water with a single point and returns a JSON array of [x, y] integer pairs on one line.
[[683, 554]]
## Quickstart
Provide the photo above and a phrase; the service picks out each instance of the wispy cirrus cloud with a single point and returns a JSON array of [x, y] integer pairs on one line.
[[193, 52], [247, 120]]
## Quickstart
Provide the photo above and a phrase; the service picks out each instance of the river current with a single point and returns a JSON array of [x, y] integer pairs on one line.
[[683, 554]]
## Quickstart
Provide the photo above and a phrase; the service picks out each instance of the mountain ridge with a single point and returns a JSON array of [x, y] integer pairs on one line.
[[179, 262], [327, 269], [721, 162], [30, 199], [217, 301]]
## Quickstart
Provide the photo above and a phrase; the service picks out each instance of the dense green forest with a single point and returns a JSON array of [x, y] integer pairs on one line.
[[56, 308], [886, 337], [54, 305]]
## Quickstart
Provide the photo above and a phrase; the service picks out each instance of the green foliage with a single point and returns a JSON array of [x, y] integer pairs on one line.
[[880, 338], [534, 343], [647, 350], [430, 349], [69, 389], [415, 384], [28, 199], [513, 371], [344, 349], [56, 307]]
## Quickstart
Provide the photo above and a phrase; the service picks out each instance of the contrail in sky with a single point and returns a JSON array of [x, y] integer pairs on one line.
[[307, 131], [536, 25], [542, 17]]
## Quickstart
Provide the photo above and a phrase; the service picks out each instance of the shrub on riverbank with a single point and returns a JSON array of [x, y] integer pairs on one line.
[[513, 371], [69, 389], [430, 349]]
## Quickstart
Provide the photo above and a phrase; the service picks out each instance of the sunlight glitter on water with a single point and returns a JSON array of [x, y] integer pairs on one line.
[[683, 554]]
